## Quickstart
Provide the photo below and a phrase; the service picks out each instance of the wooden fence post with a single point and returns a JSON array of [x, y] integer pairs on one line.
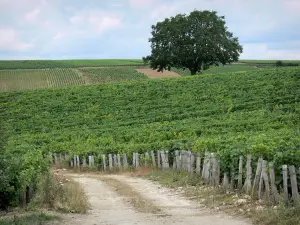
[[167, 159], [115, 163], [240, 176], [198, 164], [185, 160], [177, 159], [93, 160], [137, 160], [189, 161], [260, 187], [180, 157], [257, 177], [119, 161], [133, 160], [285, 183], [78, 161], [90, 160], [266, 181], [55, 159], [293, 178], [275, 193], [147, 157], [110, 162], [163, 160], [225, 182], [158, 160], [71, 162], [208, 169], [60, 158], [204, 166], [84, 164], [153, 159], [104, 162], [192, 163], [248, 182], [174, 161], [214, 166], [51, 157], [125, 163]]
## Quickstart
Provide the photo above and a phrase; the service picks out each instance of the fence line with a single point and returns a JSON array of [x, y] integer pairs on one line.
[[261, 186]]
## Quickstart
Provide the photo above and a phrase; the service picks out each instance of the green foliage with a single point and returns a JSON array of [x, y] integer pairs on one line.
[[109, 75], [14, 80], [17, 172], [255, 112], [228, 113], [219, 69], [279, 63], [75, 63], [270, 63], [31, 219], [195, 42]]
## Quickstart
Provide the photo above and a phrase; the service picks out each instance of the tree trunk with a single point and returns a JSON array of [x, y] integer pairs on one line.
[[194, 70]]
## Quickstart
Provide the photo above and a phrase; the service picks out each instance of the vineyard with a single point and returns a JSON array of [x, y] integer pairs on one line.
[[255, 112], [219, 69], [52, 64], [267, 61], [109, 75], [14, 80]]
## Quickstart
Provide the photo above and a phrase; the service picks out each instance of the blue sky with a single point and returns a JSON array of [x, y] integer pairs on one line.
[[68, 29]]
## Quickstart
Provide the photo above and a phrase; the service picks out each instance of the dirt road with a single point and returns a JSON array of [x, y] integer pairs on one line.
[[154, 74], [121, 200]]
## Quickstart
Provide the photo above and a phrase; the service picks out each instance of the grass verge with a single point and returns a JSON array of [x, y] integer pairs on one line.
[[30, 219], [232, 203], [59, 193]]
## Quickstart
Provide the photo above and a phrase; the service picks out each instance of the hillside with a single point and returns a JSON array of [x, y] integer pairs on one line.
[[32, 79], [234, 113], [72, 63]]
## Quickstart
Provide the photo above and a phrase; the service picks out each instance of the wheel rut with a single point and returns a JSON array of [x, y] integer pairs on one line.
[[121, 199]]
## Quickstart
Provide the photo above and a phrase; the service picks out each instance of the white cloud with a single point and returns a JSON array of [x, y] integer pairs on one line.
[[77, 20], [116, 5], [59, 36], [265, 28], [98, 21], [9, 40], [33, 15], [141, 3], [292, 5], [163, 11], [262, 51]]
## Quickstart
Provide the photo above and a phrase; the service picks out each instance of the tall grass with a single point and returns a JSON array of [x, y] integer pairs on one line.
[[57, 192]]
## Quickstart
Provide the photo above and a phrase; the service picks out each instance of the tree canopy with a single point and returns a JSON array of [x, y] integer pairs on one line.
[[195, 42]]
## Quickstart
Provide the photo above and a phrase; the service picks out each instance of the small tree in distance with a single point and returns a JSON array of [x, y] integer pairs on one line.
[[195, 42], [279, 63]]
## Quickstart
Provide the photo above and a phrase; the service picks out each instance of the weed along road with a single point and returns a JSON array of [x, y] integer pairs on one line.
[[122, 199]]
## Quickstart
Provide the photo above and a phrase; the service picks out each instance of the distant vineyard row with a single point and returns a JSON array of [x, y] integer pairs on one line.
[[14, 80], [268, 61], [50, 64]]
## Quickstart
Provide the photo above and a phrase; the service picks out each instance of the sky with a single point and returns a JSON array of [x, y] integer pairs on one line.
[[79, 29]]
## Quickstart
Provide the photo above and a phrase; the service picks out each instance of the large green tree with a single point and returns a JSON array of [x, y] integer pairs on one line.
[[195, 42]]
